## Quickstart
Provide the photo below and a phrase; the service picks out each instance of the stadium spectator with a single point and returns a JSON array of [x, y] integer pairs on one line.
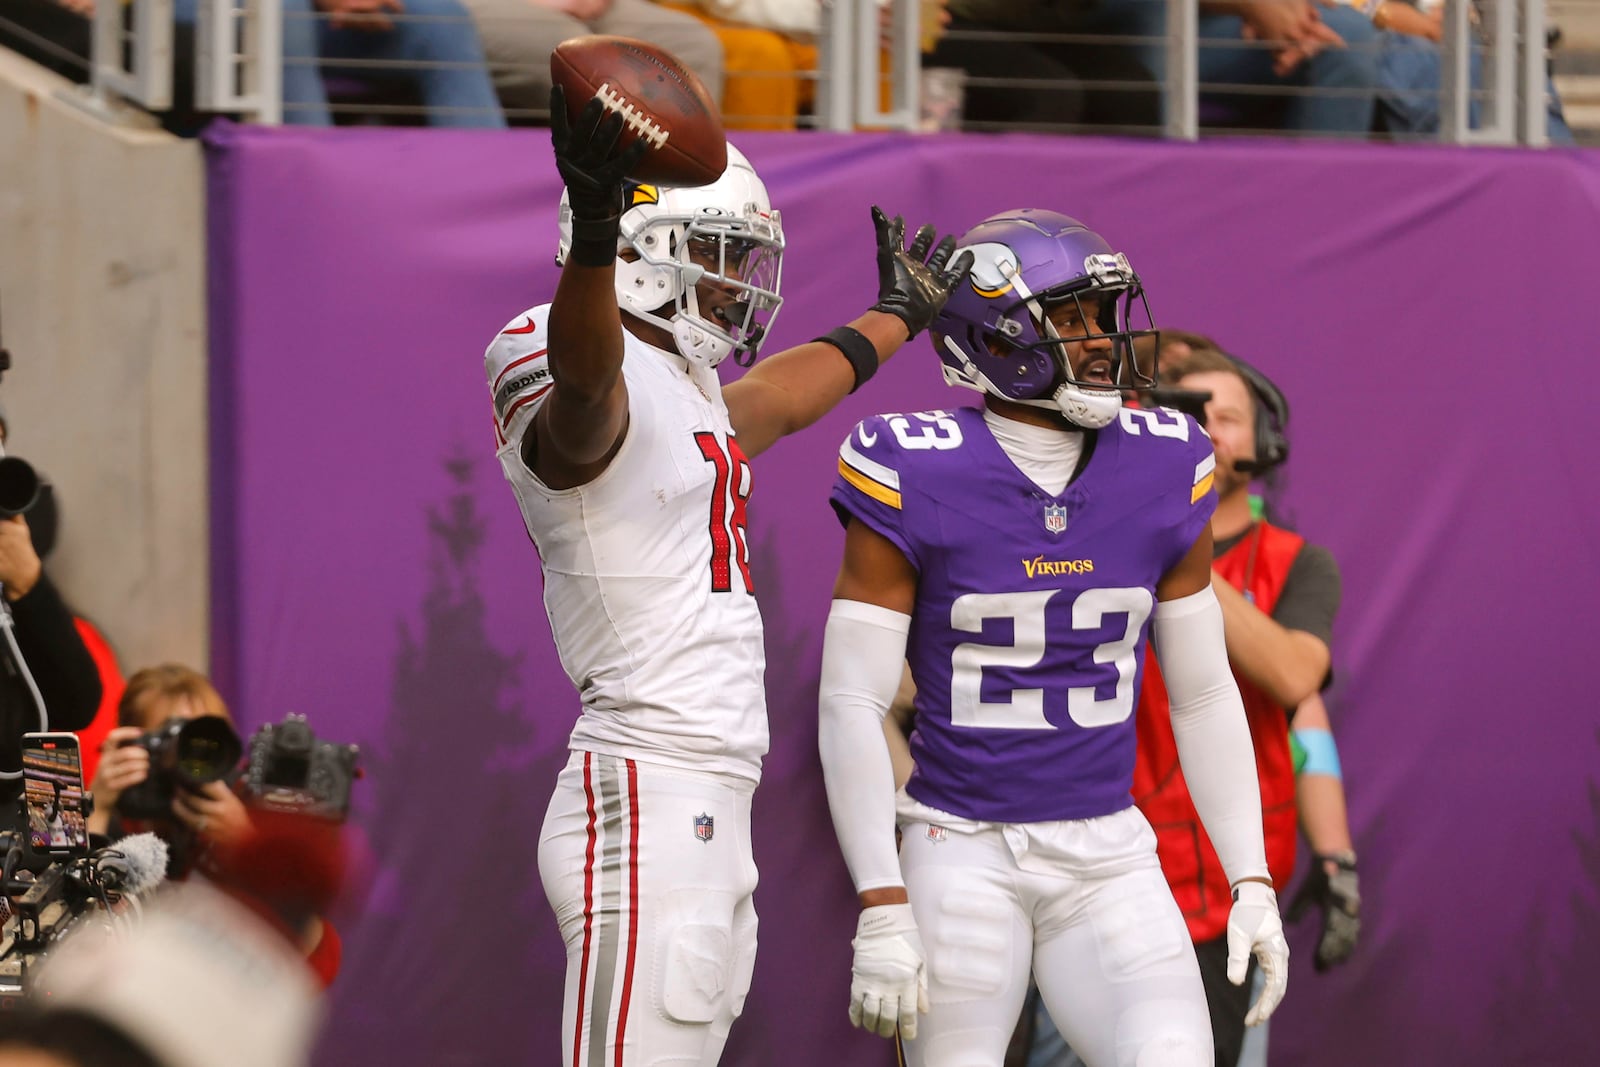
[[519, 35], [1328, 51], [1015, 83], [428, 46], [1411, 71]]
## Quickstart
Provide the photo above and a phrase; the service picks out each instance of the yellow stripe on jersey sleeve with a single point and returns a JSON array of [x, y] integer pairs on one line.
[[876, 490], [1204, 475]]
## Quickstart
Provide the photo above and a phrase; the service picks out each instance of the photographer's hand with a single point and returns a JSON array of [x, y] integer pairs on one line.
[[122, 766], [19, 563], [214, 812]]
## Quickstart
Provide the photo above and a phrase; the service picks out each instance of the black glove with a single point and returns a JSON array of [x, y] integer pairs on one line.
[[1339, 896], [912, 285], [594, 172]]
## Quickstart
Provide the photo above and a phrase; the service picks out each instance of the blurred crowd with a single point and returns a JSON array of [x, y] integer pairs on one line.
[[1349, 68]]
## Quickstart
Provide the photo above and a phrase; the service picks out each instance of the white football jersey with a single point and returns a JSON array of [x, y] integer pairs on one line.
[[646, 568]]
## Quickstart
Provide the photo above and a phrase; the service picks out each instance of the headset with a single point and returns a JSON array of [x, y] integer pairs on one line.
[[1272, 420]]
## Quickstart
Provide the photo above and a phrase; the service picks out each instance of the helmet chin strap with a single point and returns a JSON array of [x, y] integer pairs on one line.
[[693, 342], [1089, 408], [696, 343]]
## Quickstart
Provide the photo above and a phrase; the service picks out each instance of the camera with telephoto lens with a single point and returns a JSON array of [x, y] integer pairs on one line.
[[184, 754], [292, 771], [19, 486]]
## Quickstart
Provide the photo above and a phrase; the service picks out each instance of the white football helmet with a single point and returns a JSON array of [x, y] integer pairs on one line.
[[725, 233]]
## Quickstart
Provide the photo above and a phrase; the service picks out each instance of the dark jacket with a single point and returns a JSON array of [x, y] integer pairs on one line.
[[64, 672]]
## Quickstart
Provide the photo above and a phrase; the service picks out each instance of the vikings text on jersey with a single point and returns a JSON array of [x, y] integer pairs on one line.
[[1033, 610]]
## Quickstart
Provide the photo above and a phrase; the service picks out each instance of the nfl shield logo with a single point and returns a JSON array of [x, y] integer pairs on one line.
[[704, 826], [1055, 518]]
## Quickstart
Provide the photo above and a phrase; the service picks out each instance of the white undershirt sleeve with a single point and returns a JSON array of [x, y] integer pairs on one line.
[[1208, 721], [863, 650]]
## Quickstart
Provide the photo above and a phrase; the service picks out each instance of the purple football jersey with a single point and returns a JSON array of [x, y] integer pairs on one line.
[[1027, 640]]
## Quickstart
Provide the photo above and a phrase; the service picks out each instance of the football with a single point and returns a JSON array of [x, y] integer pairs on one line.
[[659, 99]]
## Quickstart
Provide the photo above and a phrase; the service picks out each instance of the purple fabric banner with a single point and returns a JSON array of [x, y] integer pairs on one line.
[[1428, 312]]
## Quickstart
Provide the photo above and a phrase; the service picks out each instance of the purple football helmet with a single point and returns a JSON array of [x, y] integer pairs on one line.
[[995, 336]]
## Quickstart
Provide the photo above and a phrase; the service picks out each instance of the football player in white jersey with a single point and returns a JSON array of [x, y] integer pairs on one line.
[[631, 464]]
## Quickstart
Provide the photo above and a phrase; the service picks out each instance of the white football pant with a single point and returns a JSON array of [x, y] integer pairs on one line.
[[1085, 906], [650, 874]]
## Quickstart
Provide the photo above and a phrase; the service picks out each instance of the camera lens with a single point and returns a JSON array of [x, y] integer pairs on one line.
[[19, 486], [207, 749]]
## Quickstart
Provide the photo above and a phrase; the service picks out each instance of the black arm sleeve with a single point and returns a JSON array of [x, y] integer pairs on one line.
[[58, 659], [1310, 597]]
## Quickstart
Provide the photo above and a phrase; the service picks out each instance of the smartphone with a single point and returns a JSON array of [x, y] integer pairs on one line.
[[53, 797]]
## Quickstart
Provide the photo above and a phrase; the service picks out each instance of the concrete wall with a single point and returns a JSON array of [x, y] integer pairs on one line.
[[102, 286]]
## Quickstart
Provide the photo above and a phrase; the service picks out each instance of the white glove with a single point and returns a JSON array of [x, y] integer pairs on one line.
[[888, 978], [1254, 926]]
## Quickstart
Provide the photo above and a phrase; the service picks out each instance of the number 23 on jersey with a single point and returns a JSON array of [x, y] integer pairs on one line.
[[1023, 707]]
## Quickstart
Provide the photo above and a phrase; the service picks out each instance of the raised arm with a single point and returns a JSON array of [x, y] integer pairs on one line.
[[582, 422], [796, 387]]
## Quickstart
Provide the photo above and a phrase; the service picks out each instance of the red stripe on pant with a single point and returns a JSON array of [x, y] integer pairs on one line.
[[588, 918], [633, 904]]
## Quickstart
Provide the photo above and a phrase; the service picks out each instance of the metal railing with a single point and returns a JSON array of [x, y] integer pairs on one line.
[[131, 53], [1514, 68], [1509, 38], [870, 71], [855, 61], [239, 59]]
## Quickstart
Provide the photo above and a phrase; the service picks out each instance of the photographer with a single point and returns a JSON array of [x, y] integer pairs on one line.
[[212, 815], [208, 821], [53, 652]]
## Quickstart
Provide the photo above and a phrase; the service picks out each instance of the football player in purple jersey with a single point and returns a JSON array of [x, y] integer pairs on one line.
[[1017, 555]]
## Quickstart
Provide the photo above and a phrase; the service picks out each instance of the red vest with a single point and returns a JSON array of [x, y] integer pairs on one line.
[[1257, 566], [91, 737]]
